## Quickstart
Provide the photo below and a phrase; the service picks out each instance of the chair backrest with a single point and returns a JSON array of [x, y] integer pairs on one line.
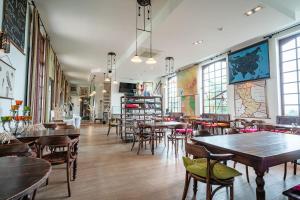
[[182, 126], [233, 131], [196, 150], [287, 120], [204, 132], [15, 149], [64, 126], [54, 141], [58, 120]]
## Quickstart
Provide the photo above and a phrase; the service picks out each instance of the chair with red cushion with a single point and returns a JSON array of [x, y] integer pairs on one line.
[[180, 133]]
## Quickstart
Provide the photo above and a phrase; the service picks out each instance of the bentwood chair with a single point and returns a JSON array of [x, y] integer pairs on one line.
[[141, 135], [56, 156], [181, 133], [206, 168], [15, 149], [113, 123]]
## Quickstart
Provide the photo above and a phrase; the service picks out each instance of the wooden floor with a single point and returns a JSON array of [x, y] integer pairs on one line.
[[107, 169]]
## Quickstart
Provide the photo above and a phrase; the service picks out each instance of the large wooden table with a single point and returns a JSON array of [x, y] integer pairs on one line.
[[260, 150], [33, 135], [21, 176], [160, 125]]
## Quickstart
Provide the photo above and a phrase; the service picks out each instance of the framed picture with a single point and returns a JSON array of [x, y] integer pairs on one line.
[[250, 63], [7, 78]]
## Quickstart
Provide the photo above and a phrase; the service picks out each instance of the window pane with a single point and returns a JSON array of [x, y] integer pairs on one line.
[[291, 110], [289, 45], [290, 88], [289, 55], [289, 66], [289, 77], [290, 99]]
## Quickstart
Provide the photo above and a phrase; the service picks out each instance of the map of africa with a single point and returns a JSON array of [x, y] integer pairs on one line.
[[250, 100]]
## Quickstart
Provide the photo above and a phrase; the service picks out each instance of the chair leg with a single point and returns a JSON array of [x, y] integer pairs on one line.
[[231, 192], [234, 164], [133, 143], [186, 185], [140, 143], [285, 170], [108, 130], [195, 188], [117, 130], [295, 167], [247, 174], [33, 194], [68, 179]]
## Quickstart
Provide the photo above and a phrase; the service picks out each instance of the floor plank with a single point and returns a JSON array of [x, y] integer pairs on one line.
[[108, 170]]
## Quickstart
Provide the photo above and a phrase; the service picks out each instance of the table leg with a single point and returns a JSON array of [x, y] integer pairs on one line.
[[152, 141], [75, 162], [260, 183]]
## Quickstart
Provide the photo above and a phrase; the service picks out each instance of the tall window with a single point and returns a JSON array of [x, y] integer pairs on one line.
[[174, 103], [290, 75], [215, 88]]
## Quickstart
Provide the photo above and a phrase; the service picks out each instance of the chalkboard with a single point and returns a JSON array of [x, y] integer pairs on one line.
[[14, 21]]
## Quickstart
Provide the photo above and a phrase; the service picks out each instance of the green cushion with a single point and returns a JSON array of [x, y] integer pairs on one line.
[[198, 167]]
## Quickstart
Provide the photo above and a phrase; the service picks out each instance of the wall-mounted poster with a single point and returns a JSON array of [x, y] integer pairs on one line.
[[250, 63], [188, 105], [250, 99], [187, 81], [14, 21], [7, 78]]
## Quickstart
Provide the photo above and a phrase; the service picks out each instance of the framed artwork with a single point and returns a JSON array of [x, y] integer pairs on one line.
[[250, 63], [14, 21], [7, 78], [187, 81], [250, 100]]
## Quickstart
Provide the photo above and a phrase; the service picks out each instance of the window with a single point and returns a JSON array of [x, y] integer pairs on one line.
[[215, 88], [174, 103], [289, 53]]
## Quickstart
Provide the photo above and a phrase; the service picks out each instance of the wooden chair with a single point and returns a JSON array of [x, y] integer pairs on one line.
[[203, 170], [16, 148], [114, 122], [56, 156], [180, 133], [236, 131], [141, 135], [295, 162]]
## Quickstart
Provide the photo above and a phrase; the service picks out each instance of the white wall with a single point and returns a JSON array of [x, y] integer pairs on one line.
[[18, 61]]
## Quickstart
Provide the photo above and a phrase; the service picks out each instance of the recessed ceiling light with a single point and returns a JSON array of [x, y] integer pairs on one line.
[[198, 42], [253, 10], [258, 8]]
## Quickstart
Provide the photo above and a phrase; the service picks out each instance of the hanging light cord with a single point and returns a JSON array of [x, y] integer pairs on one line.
[[136, 27], [150, 16]]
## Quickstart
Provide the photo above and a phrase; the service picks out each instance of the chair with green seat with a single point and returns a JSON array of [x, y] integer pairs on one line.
[[207, 169]]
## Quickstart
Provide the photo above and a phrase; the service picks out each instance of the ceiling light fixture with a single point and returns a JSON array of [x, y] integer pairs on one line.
[[198, 42], [104, 91], [253, 10], [143, 6], [106, 78]]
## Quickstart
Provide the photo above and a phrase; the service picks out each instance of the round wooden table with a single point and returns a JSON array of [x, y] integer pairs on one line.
[[21, 176]]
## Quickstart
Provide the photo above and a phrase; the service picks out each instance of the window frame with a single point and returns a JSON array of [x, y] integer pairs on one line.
[[281, 42], [221, 84], [173, 99]]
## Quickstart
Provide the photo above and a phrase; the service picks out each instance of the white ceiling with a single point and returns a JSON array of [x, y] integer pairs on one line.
[[84, 31]]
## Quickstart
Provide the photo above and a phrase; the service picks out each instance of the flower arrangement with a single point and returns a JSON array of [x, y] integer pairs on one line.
[[16, 123]]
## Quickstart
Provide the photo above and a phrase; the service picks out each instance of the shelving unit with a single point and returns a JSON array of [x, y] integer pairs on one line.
[[144, 110]]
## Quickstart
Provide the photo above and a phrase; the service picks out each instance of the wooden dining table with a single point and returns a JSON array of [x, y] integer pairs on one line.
[[160, 125], [260, 150], [21, 176]]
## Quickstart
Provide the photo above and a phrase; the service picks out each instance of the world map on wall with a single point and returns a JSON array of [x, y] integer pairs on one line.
[[250, 100], [251, 63]]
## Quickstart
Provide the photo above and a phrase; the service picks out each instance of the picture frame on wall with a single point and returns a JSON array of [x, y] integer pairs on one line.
[[7, 80], [249, 63]]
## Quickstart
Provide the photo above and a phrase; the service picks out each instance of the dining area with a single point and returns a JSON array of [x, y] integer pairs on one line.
[[27, 159]]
